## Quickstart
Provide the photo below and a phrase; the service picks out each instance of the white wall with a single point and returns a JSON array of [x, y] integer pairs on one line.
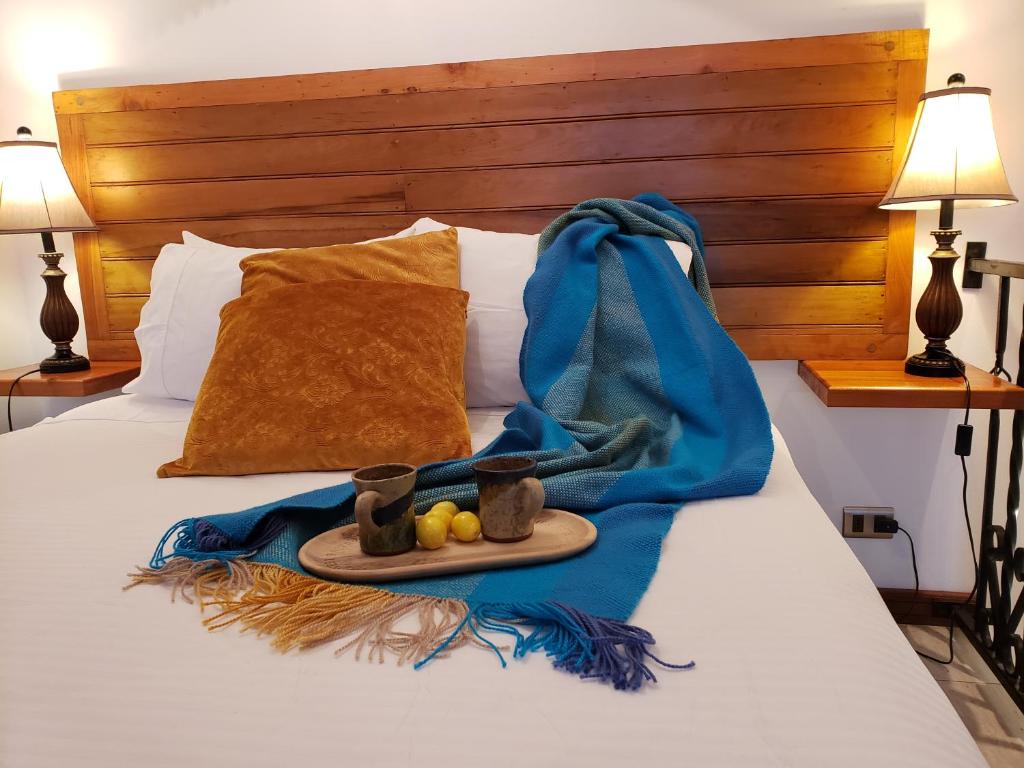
[[900, 458]]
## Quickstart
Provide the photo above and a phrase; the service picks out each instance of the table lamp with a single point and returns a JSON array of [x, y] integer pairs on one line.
[[36, 196], [952, 159]]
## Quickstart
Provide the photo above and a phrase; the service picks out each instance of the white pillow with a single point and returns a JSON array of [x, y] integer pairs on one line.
[[189, 239], [495, 267], [178, 326], [197, 242]]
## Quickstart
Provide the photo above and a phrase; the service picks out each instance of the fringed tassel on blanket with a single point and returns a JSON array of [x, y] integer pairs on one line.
[[588, 646], [197, 539], [299, 612]]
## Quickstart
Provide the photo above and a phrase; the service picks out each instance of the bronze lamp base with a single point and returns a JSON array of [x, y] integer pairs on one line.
[[58, 317], [936, 367], [939, 311]]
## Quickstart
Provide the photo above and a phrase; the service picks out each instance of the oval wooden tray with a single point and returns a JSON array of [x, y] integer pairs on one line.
[[335, 554]]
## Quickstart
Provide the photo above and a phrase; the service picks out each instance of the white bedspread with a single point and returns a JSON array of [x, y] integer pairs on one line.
[[798, 661]]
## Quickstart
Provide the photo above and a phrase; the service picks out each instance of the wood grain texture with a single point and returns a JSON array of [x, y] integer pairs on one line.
[[883, 384], [127, 276], [781, 149], [750, 306], [861, 48], [118, 346], [778, 130], [789, 262], [758, 177], [800, 305], [101, 377], [900, 266], [336, 554], [755, 89], [123, 311], [722, 222], [729, 264], [251, 197]]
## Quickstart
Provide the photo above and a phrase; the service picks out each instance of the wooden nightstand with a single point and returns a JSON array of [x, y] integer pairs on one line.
[[102, 377], [883, 384]]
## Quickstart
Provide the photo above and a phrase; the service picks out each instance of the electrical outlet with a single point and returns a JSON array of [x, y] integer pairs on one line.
[[859, 522]]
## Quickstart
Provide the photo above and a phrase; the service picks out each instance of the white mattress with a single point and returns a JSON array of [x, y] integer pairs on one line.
[[798, 662]]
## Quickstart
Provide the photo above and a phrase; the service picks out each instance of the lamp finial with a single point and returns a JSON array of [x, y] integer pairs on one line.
[[957, 78]]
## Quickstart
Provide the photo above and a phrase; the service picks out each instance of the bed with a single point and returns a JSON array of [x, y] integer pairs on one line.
[[791, 670], [798, 661]]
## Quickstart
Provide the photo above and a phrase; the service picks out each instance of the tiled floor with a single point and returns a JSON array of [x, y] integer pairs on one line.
[[989, 714]]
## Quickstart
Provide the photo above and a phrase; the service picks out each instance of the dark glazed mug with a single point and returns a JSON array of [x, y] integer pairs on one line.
[[510, 497], [384, 510]]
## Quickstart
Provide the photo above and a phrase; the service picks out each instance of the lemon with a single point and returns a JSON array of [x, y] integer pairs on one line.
[[431, 531], [441, 514], [466, 526], [446, 506]]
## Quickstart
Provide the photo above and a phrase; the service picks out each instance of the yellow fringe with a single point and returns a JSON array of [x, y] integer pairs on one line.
[[197, 581], [299, 612]]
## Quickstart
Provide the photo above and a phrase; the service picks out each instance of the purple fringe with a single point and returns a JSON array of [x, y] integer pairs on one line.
[[199, 539], [592, 647]]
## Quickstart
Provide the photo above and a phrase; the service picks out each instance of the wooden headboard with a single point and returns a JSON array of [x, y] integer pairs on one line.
[[781, 148]]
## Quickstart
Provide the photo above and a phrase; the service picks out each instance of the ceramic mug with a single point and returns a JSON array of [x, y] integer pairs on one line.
[[511, 497], [384, 509]]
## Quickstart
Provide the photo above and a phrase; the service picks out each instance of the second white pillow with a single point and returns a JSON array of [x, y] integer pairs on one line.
[[495, 267], [178, 325]]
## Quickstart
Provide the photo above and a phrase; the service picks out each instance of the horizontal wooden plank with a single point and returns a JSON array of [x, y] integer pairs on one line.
[[693, 179], [723, 222], [813, 262], [873, 384], [256, 197], [810, 219], [114, 346], [800, 305], [99, 377], [821, 342], [127, 276], [593, 140], [755, 177], [123, 312], [760, 263], [561, 101], [859, 48], [145, 239], [737, 306]]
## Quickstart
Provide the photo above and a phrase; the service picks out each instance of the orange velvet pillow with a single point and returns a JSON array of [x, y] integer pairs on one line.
[[331, 375], [431, 258]]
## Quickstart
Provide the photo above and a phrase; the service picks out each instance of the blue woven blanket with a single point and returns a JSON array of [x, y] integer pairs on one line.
[[640, 402]]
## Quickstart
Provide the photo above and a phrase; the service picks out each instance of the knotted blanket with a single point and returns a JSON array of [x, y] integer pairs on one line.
[[640, 402]]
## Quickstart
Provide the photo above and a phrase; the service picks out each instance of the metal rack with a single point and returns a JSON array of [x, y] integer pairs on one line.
[[994, 624]]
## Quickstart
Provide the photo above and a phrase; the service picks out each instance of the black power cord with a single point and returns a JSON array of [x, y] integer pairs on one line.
[[913, 561], [10, 394], [963, 450]]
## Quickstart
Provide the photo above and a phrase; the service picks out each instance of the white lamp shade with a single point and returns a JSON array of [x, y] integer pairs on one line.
[[952, 155], [35, 192]]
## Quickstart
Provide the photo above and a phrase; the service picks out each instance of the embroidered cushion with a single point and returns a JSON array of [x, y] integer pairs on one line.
[[191, 282], [331, 375]]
